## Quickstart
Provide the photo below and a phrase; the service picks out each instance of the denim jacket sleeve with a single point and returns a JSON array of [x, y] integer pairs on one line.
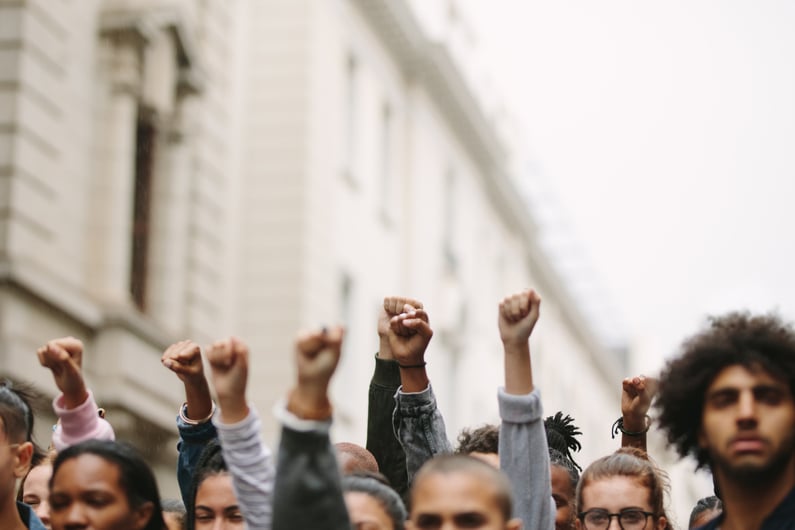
[[524, 456], [419, 427], [192, 441]]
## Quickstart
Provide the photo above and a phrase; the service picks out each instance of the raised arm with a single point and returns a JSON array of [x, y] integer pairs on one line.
[[193, 419], [308, 483], [381, 440], [636, 396], [247, 457], [417, 421], [78, 415], [524, 455]]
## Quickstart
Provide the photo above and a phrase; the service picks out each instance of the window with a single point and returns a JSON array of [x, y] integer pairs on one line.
[[145, 143]]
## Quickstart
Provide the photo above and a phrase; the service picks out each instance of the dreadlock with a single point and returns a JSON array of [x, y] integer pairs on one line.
[[561, 435]]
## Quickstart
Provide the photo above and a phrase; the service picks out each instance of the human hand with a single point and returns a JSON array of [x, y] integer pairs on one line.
[[228, 361], [184, 358], [393, 306], [636, 397], [316, 355], [409, 335], [518, 314], [64, 358]]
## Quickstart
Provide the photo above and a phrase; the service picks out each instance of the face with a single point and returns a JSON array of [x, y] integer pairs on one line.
[[86, 494], [563, 495], [366, 512], [748, 425], [615, 495], [216, 504], [458, 500], [35, 492]]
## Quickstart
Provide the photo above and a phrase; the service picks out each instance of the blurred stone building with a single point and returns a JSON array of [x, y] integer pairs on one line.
[[200, 168]]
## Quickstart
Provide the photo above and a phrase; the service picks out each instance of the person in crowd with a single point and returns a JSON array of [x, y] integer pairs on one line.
[[16, 454], [248, 459], [524, 453], [195, 429], [79, 418], [174, 514], [637, 394], [482, 442], [354, 458], [308, 486], [626, 486], [212, 496], [458, 492], [103, 485], [727, 400], [34, 488], [564, 472], [704, 511], [381, 441], [372, 503]]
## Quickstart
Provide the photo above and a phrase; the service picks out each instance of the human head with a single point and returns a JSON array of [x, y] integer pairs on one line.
[[482, 443], [122, 468], [564, 478], [211, 494], [35, 486], [174, 514], [388, 504], [705, 510], [16, 429], [626, 469], [451, 487], [736, 339], [354, 458]]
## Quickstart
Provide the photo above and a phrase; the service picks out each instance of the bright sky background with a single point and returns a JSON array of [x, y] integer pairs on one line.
[[667, 132]]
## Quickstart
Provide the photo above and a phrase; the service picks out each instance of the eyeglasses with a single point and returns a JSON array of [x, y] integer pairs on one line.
[[598, 519]]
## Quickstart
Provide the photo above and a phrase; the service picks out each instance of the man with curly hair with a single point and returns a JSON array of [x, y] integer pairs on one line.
[[727, 400]]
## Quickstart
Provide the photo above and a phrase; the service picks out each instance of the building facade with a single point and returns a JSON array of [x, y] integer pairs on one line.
[[175, 168]]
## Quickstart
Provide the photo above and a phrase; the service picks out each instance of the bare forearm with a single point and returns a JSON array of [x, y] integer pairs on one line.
[[197, 395], [518, 369]]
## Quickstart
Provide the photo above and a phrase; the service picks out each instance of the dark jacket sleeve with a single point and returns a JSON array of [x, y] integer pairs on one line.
[[308, 489], [381, 440], [192, 441]]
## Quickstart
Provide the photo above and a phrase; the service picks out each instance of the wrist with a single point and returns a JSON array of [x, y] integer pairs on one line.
[[308, 406], [74, 397], [384, 350]]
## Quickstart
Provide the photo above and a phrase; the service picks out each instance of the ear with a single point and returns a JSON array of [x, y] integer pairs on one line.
[[142, 515], [23, 459], [578, 523], [514, 524], [661, 522]]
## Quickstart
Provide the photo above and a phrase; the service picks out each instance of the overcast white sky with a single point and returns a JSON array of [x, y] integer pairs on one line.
[[667, 130]]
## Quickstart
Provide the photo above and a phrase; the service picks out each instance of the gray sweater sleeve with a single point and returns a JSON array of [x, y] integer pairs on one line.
[[524, 457]]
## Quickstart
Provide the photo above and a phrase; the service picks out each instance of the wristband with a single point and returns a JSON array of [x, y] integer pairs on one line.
[[184, 417], [418, 365], [618, 426]]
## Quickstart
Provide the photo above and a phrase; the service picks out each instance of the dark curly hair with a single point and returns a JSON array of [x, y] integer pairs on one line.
[[485, 439], [739, 338]]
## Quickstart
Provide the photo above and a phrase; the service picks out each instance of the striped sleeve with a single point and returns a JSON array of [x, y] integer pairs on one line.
[[250, 463]]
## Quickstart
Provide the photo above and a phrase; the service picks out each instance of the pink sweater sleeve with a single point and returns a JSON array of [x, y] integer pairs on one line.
[[79, 424]]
